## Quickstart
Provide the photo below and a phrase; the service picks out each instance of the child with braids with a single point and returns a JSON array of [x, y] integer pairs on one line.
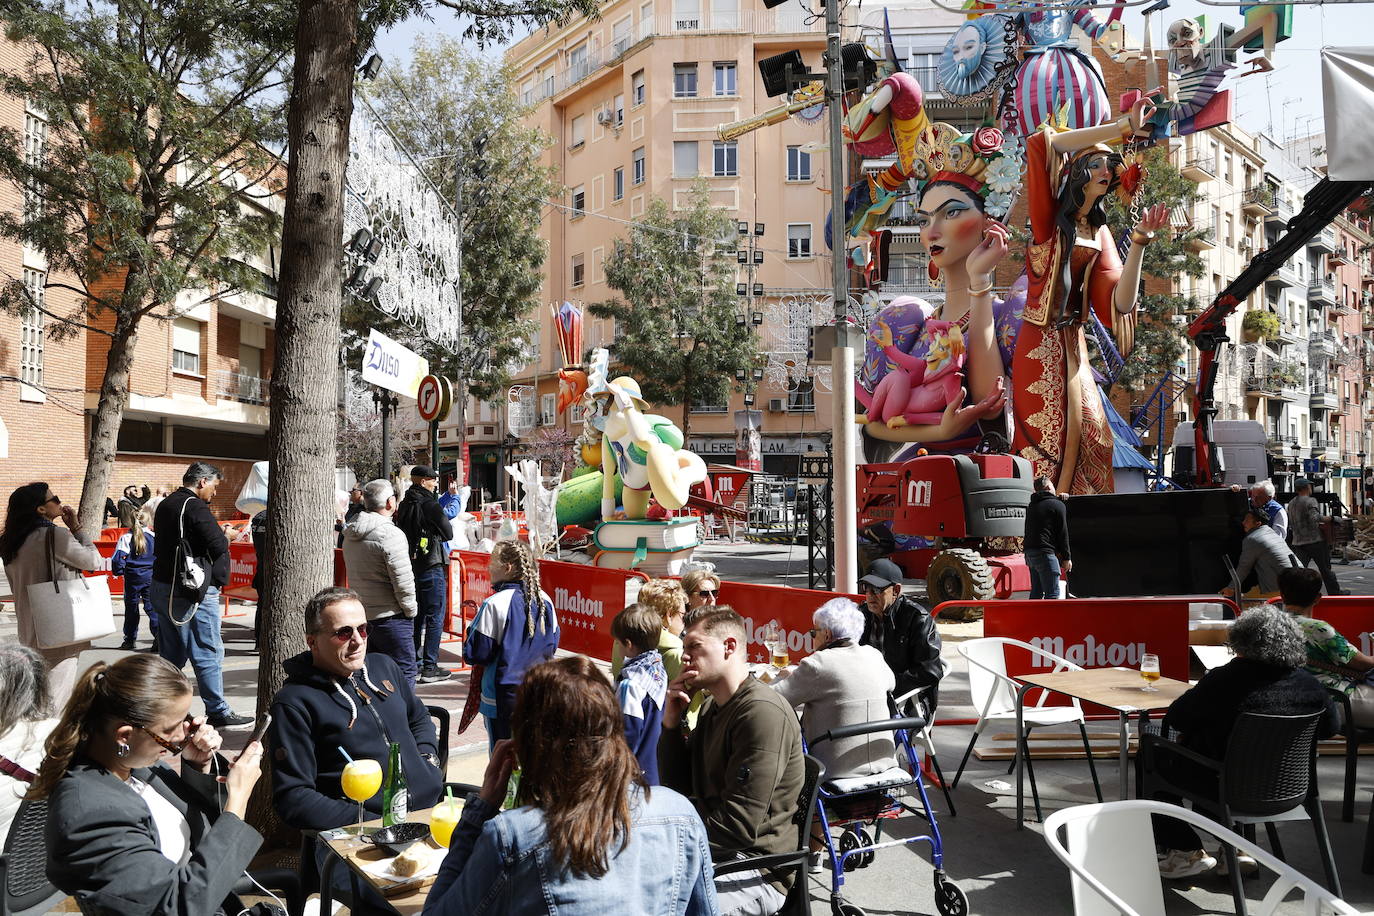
[[514, 630]]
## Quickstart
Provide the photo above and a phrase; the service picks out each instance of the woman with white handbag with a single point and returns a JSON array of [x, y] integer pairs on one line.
[[59, 623]]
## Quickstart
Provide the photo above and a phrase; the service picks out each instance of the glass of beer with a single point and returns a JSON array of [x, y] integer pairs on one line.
[[361, 780], [1149, 670], [776, 642]]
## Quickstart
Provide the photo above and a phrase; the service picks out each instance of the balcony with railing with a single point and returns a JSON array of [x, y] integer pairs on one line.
[[909, 280], [1279, 210], [1321, 344], [1202, 236], [1324, 240], [1285, 276], [1323, 395], [236, 386], [1258, 201], [1321, 290], [1200, 168]]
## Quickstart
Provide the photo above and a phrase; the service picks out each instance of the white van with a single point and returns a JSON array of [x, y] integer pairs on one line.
[[1241, 443]]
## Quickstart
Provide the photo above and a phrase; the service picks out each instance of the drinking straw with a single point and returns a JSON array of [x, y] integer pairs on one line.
[[345, 754]]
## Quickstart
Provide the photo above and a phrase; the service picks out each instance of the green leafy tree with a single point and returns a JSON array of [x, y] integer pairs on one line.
[[456, 111], [1160, 339], [154, 177], [677, 327], [329, 38]]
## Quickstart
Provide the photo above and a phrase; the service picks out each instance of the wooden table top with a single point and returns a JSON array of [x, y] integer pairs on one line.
[[1117, 688], [355, 853]]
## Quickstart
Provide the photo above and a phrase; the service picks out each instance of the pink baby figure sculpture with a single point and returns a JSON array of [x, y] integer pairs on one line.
[[918, 390]]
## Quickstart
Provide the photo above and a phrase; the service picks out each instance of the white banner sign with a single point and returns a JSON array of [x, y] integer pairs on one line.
[[389, 365]]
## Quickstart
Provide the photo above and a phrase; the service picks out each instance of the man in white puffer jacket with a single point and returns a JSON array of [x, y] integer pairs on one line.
[[377, 559]]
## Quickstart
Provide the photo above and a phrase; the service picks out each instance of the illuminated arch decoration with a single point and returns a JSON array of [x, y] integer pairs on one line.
[[420, 260]]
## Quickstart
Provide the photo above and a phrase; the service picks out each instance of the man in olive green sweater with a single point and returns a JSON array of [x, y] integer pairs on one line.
[[741, 766]]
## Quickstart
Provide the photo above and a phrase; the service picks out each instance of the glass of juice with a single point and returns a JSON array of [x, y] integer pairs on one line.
[[442, 819], [1149, 670], [361, 780]]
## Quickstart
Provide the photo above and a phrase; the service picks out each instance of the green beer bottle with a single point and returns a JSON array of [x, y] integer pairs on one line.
[[395, 798]]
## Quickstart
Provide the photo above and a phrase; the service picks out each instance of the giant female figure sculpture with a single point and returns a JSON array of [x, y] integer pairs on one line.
[[930, 375], [1073, 269]]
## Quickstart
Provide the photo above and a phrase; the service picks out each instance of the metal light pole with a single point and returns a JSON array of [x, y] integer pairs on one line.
[[844, 459]]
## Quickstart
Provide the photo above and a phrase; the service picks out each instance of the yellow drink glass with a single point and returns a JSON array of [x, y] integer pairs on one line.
[[442, 819], [361, 780]]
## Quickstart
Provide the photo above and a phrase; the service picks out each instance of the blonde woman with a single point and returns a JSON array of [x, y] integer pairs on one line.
[[133, 559], [514, 630], [702, 587], [667, 598]]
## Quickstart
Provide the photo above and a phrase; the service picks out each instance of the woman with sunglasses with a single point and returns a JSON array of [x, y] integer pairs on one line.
[[126, 833], [702, 587], [29, 524]]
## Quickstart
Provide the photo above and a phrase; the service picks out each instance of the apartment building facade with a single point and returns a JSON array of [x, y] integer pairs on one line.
[[633, 102]]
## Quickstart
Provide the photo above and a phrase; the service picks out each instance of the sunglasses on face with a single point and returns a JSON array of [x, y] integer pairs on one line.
[[174, 747], [708, 593], [344, 634], [54, 499]]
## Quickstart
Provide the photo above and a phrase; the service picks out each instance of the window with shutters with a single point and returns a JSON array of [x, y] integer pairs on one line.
[[684, 158], [799, 240], [35, 143], [31, 330], [618, 183], [186, 346], [640, 172], [684, 81]]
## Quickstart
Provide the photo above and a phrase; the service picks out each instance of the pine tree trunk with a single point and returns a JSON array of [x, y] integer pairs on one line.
[[109, 414], [301, 438]]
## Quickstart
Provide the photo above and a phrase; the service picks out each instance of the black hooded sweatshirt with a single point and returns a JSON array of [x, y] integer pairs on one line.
[[1047, 525], [312, 718]]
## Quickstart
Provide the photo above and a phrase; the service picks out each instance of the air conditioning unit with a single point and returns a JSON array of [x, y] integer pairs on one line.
[[605, 116], [775, 405]]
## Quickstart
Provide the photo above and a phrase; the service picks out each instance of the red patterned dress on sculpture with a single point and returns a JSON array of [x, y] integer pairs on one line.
[[1060, 426]]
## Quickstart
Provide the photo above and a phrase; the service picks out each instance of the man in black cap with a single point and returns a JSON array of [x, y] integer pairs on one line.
[[427, 529], [903, 630]]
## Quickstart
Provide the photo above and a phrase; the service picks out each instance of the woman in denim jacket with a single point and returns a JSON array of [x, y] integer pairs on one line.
[[589, 837]]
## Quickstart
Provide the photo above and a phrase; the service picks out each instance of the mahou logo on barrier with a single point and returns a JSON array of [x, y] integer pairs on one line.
[[1089, 653]]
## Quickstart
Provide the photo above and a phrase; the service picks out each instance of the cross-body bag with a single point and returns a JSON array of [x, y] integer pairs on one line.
[[191, 574], [69, 611]]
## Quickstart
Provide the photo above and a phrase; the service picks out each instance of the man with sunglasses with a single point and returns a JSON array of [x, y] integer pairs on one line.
[[338, 700], [902, 629]]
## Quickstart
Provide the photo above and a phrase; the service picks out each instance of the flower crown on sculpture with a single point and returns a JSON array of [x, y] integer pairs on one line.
[[985, 162]]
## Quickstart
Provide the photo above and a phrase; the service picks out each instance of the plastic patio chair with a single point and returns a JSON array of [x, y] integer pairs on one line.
[[1267, 775], [798, 902], [1109, 849], [994, 696], [1353, 736], [26, 888]]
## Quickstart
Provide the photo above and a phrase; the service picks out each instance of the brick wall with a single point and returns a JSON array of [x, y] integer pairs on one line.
[[166, 470]]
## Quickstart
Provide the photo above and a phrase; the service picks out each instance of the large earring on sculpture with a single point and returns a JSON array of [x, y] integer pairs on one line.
[[933, 271], [121, 749]]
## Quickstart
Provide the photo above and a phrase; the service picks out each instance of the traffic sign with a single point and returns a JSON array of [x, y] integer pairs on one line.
[[434, 398]]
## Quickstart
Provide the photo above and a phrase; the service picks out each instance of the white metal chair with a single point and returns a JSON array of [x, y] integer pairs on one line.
[[1109, 849], [925, 737], [994, 696]]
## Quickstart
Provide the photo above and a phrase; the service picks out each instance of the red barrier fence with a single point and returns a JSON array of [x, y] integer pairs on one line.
[[1095, 632], [791, 607]]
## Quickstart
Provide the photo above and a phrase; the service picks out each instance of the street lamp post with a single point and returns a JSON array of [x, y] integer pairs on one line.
[[1360, 488]]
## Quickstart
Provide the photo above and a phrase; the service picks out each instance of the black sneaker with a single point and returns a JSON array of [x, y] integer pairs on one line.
[[231, 720], [434, 675], [127, 646]]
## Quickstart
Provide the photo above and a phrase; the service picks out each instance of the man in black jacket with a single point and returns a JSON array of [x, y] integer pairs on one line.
[[903, 630], [1047, 540], [187, 629], [427, 529]]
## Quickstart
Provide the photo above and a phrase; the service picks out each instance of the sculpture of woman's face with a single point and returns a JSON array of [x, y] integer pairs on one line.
[[1100, 170], [951, 223]]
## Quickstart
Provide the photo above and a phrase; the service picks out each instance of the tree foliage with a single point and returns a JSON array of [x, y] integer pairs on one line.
[[154, 176], [1160, 340], [457, 112], [677, 326]]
